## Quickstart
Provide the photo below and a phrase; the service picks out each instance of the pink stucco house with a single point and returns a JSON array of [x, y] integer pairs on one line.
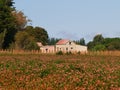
[[64, 45]]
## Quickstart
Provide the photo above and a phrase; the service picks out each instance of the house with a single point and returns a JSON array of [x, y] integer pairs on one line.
[[65, 46], [69, 46]]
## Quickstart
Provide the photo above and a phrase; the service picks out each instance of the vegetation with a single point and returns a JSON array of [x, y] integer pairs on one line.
[[54, 72], [52, 41], [100, 43], [59, 53], [7, 23], [80, 42], [40, 34], [25, 42], [13, 25]]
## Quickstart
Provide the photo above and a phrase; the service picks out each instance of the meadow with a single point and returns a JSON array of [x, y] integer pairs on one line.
[[35, 71]]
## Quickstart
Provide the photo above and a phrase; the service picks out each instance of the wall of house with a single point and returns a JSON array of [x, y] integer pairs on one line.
[[80, 48], [64, 48], [47, 49], [71, 48]]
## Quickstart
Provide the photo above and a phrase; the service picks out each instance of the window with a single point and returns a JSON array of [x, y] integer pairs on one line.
[[46, 50], [66, 48], [69, 43], [71, 47]]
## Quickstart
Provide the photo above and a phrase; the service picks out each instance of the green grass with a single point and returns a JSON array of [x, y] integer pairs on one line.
[[54, 72]]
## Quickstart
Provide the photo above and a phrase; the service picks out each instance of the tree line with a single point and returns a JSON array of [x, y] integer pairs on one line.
[[16, 34], [100, 43]]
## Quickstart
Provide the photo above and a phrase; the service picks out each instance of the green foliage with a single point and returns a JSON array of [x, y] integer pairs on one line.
[[99, 43], [112, 43], [8, 3], [2, 36], [44, 73], [98, 39], [68, 53], [99, 47], [59, 61], [79, 53], [40, 34], [52, 41], [24, 41], [59, 53], [7, 22], [80, 42]]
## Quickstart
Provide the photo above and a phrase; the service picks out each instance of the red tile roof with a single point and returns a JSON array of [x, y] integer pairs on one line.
[[62, 42]]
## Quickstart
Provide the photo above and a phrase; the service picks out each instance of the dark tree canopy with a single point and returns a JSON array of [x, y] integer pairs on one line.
[[7, 22], [53, 41], [8, 3], [80, 42], [40, 34], [98, 39]]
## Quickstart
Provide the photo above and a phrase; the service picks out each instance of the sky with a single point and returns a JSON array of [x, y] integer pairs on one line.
[[73, 19]]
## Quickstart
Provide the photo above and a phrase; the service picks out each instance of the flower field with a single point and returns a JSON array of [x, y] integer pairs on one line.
[[55, 72]]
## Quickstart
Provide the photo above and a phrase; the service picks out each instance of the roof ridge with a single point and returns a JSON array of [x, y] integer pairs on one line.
[[62, 41]]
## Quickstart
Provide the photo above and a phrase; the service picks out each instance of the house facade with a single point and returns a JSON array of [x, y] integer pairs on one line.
[[64, 46]]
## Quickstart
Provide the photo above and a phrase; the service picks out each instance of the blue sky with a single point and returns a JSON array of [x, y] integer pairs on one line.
[[74, 19]]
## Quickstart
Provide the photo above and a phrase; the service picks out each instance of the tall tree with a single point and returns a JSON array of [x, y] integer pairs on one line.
[[40, 34], [82, 41], [53, 41], [98, 39], [7, 22]]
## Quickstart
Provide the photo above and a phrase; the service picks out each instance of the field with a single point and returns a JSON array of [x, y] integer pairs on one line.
[[28, 71]]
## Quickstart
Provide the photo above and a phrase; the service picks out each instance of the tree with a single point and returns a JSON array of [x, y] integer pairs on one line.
[[100, 43], [99, 47], [7, 22], [40, 34], [6, 2], [2, 36], [114, 45], [21, 19], [82, 41], [98, 39], [53, 41], [90, 45], [25, 42], [97, 43]]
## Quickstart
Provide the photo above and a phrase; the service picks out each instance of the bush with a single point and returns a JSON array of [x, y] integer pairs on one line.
[[99, 47], [68, 53], [59, 53], [78, 53]]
